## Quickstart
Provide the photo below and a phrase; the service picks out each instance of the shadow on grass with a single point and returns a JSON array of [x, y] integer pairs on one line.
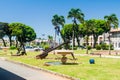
[[70, 64]]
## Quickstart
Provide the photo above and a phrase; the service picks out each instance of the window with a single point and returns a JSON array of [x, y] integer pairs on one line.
[[119, 44], [116, 44]]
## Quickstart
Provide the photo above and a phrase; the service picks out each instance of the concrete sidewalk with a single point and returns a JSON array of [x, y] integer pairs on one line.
[[109, 56], [102, 56], [28, 73]]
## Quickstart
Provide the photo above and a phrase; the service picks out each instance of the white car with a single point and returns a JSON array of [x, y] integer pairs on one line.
[[38, 49], [29, 48]]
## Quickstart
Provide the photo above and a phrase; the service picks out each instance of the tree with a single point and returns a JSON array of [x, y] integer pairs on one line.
[[23, 34], [66, 33], [58, 21], [2, 33], [98, 28], [76, 14], [8, 32], [111, 22], [87, 31], [50, 39]]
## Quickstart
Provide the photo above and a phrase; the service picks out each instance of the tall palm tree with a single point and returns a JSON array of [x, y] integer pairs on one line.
[[111, 22], [76, 15], [58, 21]]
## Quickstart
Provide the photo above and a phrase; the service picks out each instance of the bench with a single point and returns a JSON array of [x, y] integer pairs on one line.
[[96, 53]]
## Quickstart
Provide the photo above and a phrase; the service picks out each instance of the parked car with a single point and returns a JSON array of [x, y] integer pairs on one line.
[[29, 48], [38, 49], [83, 47]]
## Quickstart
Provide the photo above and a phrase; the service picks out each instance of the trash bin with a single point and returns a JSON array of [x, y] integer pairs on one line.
[[92, 61]]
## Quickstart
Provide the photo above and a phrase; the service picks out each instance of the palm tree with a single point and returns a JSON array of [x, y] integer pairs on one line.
[[111, 22], [58, 21], [76, 14]]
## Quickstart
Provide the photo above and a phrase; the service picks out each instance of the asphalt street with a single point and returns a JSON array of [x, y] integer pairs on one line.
[[12, 71], [6, 75]]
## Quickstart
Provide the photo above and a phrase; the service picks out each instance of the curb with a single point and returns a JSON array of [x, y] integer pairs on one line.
[[48, 71]]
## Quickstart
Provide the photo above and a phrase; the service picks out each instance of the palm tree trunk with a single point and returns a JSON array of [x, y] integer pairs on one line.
[[74, 24], [73, 41], [109, 44]]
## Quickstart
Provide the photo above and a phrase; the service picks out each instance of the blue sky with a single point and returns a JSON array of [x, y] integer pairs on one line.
[[38, 13]]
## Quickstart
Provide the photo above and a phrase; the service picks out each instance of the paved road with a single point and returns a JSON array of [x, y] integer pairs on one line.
[[11, 71]]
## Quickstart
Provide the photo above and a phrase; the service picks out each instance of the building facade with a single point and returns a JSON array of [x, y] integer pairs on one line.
[[114, 38]]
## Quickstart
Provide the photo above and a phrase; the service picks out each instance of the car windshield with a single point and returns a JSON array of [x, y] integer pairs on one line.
[[30, 47]]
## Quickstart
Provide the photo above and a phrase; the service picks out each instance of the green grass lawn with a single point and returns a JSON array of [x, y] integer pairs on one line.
[[103, 69]]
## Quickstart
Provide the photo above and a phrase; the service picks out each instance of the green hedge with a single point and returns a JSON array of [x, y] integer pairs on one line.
[[104, 47], [89, 47], [12, 48], [98, 47]]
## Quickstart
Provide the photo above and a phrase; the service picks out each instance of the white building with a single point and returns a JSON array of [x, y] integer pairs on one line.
[[115, 38]]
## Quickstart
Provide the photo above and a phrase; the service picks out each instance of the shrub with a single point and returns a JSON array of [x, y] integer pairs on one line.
[[103, 46], [75, 48], [89, 47], [98, 47], [111, 47], [46, 47], [12, 48], [106, 47]]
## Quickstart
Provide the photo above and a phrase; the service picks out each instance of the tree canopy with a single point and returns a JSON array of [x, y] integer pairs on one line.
[[23, 32]]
